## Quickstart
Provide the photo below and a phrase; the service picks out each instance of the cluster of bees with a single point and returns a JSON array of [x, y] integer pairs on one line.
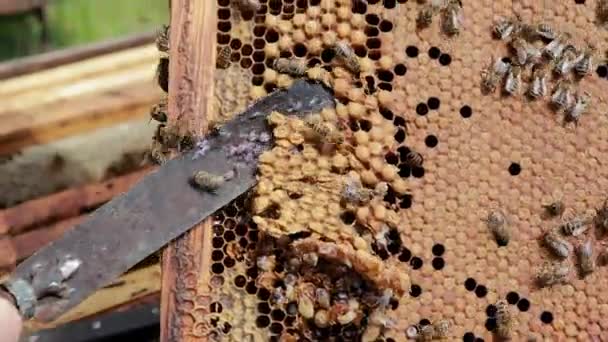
[[450, 12], [297, 67], [555, 241], [544, 51]]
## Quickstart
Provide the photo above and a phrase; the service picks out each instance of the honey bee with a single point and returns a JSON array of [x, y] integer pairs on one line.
[[413, 159], [223, 57], [158, 154], [207, 181], [499, 227], [162, 39], [524, 51], [442, 329], [513, 81], [552, 273], [556, 47], [504, 319], [249, 5], [601, 217], [585, 258], [505, 28], [558, 246], [561, 98], [305, 293], [545, 31], [324, 130], [554, 209], [452, 17], [575, 226], [574, 112], [323, 298], [162, 73], [354, 192], [159, 111], [292, 66], [344, 51], [493, 74], [538, 86], [567, 61], [584, 62], [425, 15], [425, 332]]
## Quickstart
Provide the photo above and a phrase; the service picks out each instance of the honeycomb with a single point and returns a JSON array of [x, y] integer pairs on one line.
[[413, 120]]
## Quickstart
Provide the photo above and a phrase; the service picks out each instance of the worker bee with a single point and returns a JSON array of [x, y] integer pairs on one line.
[[524, 51], [323, 298], [223, 57], [545, 31], [566, 62], [561, 98], [354, 192], [162, 73], [426, 332], [556, 47], [505, 28], [538, 86], [504, 319], [574, 112], [324, 130], [554, 209], [344, 51], [557, 245], [493, 74], [162, 39], [499, 227], [413, 159], [425, 15], [249, 5], [585, 258], [575, 226], [552, 273], [292, 66], [207, 181], [159, 111], [513, 81], [158, 153], [452, 17], [584, 62], [601, 217], [442, 329]]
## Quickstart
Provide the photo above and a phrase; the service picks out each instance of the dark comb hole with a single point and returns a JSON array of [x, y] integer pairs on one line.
[[415, 290], [223, 14], [418, 172], [272, 36], [259, 43], [523, 305], [216, 307], [275, 5], [386, 26], [243, 242], [360, 50], [411, 51], [327, 55], [404, 171], [391, 158], [314, 62], [359, 7], [438, 249], [246, 63], [229, 236], [235, 44], [241, 229], [389, 4], [252, 272], [400, 136], [403, 151], [424, 321], [259, 31], [481, 291], [223, 3], [546, 317], [365, 125], [247, 50], [373, 43], [433, 103], [371, 31], [300, 50], [491, 310], [257, 80], [247, 15], [506, 60], [229, 262], [235, 56], [270, 87], [223, 39], [470, 284], [374, 55], [512, 297], [386, 113], [217, 268], [240, 281], [259, 56], [405, 255], [217, 242], [217, 255], [468, 337], [385, 86], [514, 169], [579, 2], [466, 111], [372, 19], [431, 141], [422, 109], [438, 263], [286, 54], [263, 294], [445, 59], [354, 126], [276, 328], [277, 315], [262, 321], [371, 84], [224, 26], [602, 71], [491, 324], [416, 263], [400, 69], [264, 308], [385, 75], [434, 52], [348, 217]]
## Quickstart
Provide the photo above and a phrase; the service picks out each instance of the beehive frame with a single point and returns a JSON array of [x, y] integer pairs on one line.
[[481, 152]]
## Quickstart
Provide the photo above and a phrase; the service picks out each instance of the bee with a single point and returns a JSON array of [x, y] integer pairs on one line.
[[323, 298], [504, 319], [556, 47], [601, 217], [574, 112], [513, 80], [557, 245], [266, 263], [493, 74], [249, 5], [344, 51], [556, 208], [602, 11], [584, 62], [425, 16], [162, 39], [292, 66], [452, 17], [158, 154], [566, 62], [223, 57], [499, 227], [425, 332], [525, 51], [538, 86], [413, 159], [561, 98], [552, 273], [505, 28], [545, 31], [159, 111], [162, 73], [575, 226], [324, 130], [207, 181], [585, 258], [602, 259], [442, 329], [354, 192]]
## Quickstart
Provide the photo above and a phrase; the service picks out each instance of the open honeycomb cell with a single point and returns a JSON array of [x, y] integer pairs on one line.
[[369, 218]]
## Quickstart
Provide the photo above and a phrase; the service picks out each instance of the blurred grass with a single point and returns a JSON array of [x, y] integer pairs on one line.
[[74, 22]]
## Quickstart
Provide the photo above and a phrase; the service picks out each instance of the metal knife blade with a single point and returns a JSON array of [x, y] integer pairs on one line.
[[158, 209]]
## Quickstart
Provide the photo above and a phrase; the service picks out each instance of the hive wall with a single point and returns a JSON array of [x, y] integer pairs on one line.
[[481, 152]]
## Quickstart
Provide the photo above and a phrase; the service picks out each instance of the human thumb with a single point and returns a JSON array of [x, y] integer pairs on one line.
[[10, 322]]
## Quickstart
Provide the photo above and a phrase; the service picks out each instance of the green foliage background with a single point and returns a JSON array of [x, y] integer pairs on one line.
[[74, 22]]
